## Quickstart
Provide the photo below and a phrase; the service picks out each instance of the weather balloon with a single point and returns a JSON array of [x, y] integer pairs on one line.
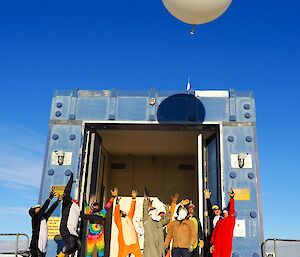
[[196, 11]]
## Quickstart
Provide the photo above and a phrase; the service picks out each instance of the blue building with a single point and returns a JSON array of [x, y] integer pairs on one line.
[[165, 141]]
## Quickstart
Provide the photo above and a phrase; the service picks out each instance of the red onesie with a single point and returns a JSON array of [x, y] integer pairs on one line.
[[223, 233]]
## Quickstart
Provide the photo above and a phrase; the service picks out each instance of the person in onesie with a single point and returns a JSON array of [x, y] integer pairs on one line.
[[96, 218], [221, 239], [173, 208], [127, 238], [39, 217], [69, 222]]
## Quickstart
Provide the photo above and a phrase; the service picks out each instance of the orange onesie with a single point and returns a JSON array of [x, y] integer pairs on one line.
[[127, 238]]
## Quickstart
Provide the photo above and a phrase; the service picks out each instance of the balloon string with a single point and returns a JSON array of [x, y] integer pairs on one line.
[[191, 55], [192, 31]]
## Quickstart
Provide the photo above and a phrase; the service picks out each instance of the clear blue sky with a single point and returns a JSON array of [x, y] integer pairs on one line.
[[48, 45]]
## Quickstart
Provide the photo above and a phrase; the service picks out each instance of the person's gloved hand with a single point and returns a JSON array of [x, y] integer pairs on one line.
[[201, 243], [150, 204], [207, 194], [60, 196], [231, 193], [185, 202], [191, 248], [114, 192], [52, 194], [134, 194]]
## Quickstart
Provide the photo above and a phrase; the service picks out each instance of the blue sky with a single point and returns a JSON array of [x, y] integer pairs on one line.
[[132, 45]]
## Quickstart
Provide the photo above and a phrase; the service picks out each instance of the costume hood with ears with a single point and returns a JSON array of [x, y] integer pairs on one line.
[[224, 210], [181, 213], [160, 207], [191, 205], [154, 214], [93, 207], [32, 209]]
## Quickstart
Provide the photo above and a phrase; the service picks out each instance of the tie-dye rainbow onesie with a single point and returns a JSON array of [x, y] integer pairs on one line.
[[96, 231]]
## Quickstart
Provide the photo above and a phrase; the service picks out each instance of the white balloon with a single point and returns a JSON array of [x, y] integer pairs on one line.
[[196, 11]]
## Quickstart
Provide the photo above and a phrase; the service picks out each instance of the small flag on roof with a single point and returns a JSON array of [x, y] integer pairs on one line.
[[188, 85]]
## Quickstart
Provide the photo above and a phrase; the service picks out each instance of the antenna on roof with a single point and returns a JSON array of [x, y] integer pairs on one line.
[[188, 85]]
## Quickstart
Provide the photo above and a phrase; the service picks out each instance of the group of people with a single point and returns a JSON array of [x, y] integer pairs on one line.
[[169, 230]]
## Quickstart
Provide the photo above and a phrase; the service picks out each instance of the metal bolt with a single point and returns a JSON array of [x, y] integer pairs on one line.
[[249, 139], [247, 115], [58, 114], [232, 174], [50, 172], [230, 138], [55, 136], [59, 104], [251, 175], [253, 214], [68, 172], [72, 137], [247, 106]]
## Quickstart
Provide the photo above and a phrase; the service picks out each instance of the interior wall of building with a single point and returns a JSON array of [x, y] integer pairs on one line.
[[161, 175]]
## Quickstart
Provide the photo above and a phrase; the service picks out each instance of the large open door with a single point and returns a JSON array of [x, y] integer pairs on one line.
[[90, 176], [201, 206], [165, 159]]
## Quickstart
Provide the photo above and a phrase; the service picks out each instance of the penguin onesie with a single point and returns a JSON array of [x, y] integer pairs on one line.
[[39, 240], [69, 221], [127, 238]]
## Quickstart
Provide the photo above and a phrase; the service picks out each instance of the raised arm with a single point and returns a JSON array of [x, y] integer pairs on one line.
[[134, 194], [108, 205], [231, 203], [174, 199], [67, 192], [51, 209], [68, 187], [117, 215], [146, 216], [46, 204], [166, 219], [87, 209], [207, 195]]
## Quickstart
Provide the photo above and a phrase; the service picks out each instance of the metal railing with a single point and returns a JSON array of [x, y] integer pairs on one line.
[[281, 248], [16, 242]]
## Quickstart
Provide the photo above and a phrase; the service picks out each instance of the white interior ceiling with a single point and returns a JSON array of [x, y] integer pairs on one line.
[[134, 142]]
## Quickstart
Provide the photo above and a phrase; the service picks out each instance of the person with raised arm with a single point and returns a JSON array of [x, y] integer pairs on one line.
[[69, 221], [154, 219], [39, 217], [96, 218], [221, 239], [127, 237]]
